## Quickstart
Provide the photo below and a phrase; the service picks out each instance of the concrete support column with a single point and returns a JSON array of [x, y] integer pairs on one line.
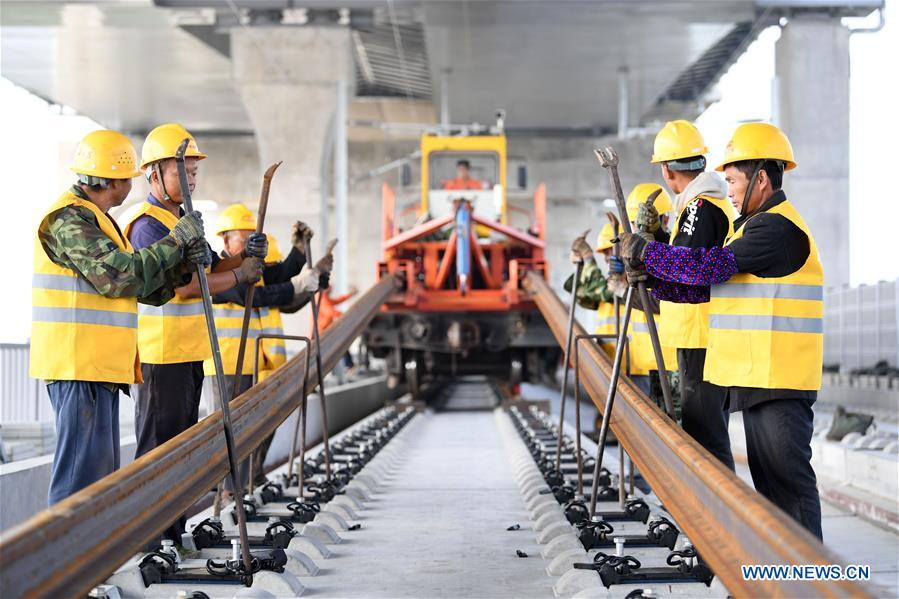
[[812, 68], [287, 78]]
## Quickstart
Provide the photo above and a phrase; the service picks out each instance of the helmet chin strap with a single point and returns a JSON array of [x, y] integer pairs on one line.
[[157, 166], [744, 209]]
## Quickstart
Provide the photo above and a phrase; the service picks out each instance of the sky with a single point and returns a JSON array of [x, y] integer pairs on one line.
[[31, 129]]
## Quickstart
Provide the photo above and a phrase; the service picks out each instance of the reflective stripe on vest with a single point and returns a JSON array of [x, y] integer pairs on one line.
[[768, 332], [174, 333], [641, 356], [228, 323], [78, 334], [757, 322], [687, 325], [107, 318], [62, 283], [274, 351], [172, 309], [769, 291]]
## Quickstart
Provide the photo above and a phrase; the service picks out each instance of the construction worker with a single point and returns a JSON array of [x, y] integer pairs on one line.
[[765, 294], [704, 219], [605, 308], [597, 292], [273, 352], [463, 180], [594, 288], [172, 338], [286, 284], [87, 283], [643, 366]]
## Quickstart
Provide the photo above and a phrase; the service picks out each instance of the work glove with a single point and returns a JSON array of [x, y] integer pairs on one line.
[[647, 217], [618, 285], [249, 271], [302, 234], [580, 249], [636, 272], [632, 246], [188, 229], [308, 281], [257, 246], [199, 253], [616, 266]]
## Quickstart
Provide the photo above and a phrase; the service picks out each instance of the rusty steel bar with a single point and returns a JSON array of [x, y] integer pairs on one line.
[[729, 523], [66, 550]]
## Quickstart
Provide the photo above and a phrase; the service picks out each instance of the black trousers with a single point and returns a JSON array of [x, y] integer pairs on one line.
[[704, 412], [778, 445], [167, 404]]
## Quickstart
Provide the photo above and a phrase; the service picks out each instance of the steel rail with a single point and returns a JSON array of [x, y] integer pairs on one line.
[[728, 522], [66, 550]]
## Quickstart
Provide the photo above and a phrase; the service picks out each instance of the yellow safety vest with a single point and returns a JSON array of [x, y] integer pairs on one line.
[[768, 332], [76, 333], [605, 325], [687, 325], [274, 351], [175, 332], [643, 359], [228, 321], [640, 354]]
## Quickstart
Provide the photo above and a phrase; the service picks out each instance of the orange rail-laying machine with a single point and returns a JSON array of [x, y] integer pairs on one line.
[[462, 309]]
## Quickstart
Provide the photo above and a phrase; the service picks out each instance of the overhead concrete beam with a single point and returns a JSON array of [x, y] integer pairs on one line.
[[287, 78]]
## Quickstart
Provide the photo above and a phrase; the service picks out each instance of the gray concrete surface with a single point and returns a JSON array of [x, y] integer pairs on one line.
[[438, 528], [24, 485]]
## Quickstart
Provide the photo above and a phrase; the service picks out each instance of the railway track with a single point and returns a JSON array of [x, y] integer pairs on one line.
[[424, 507]]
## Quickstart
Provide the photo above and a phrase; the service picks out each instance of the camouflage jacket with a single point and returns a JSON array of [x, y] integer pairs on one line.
[[73, 239], [593, 287]]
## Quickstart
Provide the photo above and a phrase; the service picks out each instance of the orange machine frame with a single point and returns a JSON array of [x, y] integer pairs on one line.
[[426, 265]]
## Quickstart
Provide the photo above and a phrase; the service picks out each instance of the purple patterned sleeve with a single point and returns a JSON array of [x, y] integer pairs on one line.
[[680, 293], [689, 266]]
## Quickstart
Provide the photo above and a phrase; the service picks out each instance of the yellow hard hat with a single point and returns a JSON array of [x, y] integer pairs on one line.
[[107, 154], [274, 250], [604, 241], [163, 141], [758, 141], [638, 195], [235, 217], [678, 140]]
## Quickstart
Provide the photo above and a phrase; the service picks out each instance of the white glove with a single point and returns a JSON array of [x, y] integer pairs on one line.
[[306, 281]]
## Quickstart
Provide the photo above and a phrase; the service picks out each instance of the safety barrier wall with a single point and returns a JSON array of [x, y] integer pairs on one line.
[[22, 399], [861, 325]]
